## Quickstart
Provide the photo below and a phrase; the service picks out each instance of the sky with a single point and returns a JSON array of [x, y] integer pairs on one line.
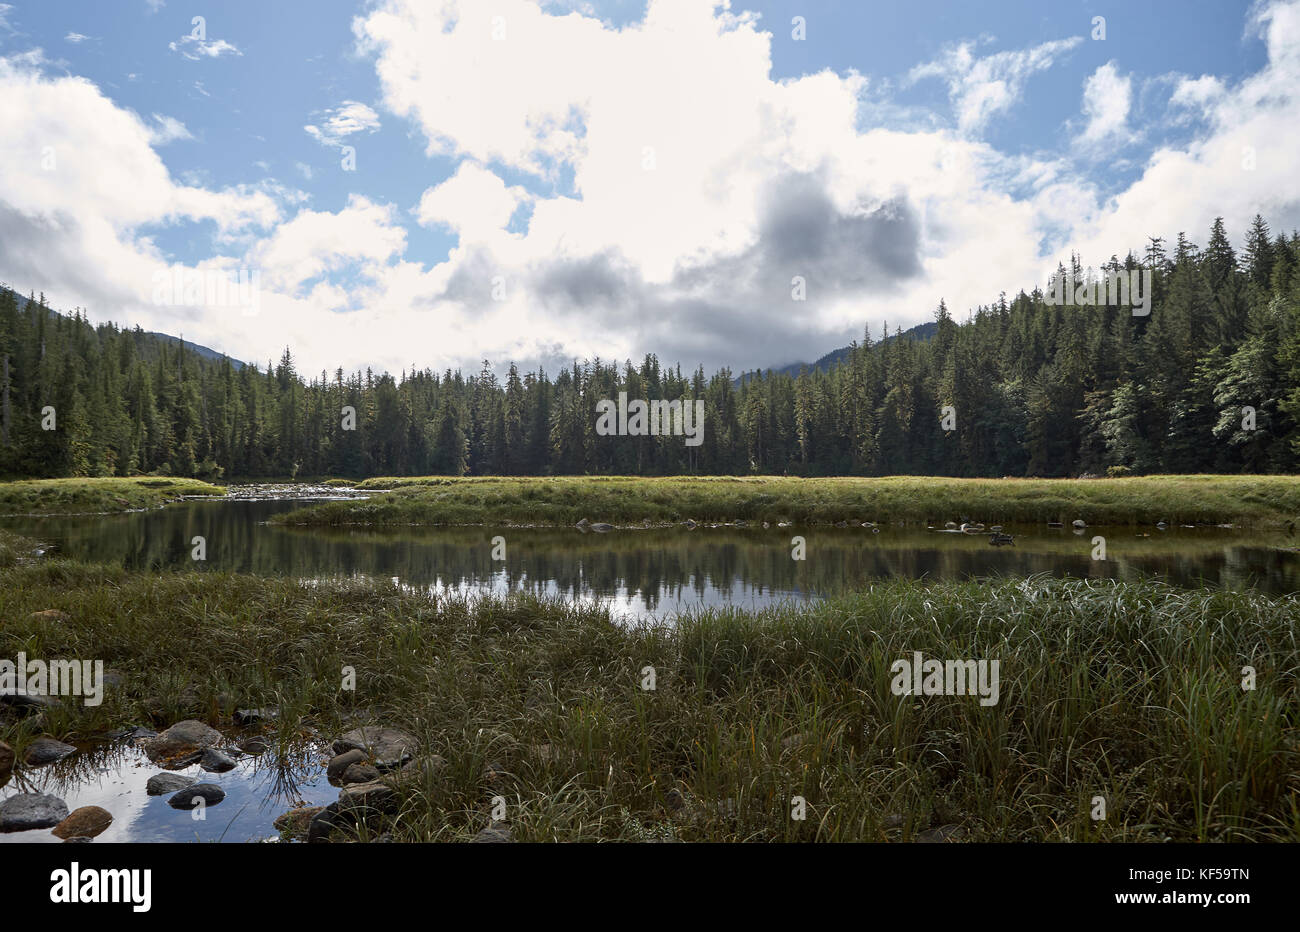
[[432, 183]]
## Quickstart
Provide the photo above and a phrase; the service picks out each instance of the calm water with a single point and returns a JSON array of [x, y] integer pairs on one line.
[[655, 573], [113, 776]]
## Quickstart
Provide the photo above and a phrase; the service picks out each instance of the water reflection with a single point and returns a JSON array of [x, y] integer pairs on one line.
[[658, 571], [113, 777]]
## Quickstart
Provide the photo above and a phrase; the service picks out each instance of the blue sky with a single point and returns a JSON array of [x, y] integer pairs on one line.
[[869, 158]]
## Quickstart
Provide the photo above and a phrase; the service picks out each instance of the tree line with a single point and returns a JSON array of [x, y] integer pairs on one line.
[[1209, 381]]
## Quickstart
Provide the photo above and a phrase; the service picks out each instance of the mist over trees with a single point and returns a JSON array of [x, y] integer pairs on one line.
[[1209, 382]]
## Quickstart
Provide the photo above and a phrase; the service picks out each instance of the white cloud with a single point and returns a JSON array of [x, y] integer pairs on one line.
[[194, 48], [474, 203], [167, 129], [343, 121], [696, 193], [982, 88], [1107, 97], [75, 38]]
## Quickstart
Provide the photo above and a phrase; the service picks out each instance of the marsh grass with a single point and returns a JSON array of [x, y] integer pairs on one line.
[[1127, 691], [96, 496], [561, 501]]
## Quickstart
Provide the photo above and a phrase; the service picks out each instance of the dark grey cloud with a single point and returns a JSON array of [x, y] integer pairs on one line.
[[736, 311]]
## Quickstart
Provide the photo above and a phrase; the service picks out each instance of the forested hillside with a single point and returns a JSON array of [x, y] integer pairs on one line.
[[1037, 389]]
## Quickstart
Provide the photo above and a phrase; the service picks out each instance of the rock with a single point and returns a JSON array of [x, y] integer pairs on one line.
[[182, 739], [389, 748], [44, 751], [495, 834], [941, 835], [114, 678], [364, 799], [690, 524], [422, 769], [339, 765], [79, 839], [297, 822], [6, 760], [86, 822], [28, 811], [493, 772], [950, 525], [841, 524], [50, 614], [1078, 524], [28, 702], [210, 793], [322, 823], [253, 716], [254, 745], [892, 821], [583, 524], [160, 784], [215, 761], [602, 528], [359, 773]]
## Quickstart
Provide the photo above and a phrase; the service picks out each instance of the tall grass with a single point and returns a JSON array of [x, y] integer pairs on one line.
[[96, 495], [1131, 692], [1251, 500]]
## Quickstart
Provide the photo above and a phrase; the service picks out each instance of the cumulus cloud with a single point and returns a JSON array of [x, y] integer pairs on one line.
[[1107, 96], [627, 214], [474, 202]]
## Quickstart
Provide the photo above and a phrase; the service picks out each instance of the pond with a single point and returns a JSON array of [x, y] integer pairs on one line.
[[654, 573]]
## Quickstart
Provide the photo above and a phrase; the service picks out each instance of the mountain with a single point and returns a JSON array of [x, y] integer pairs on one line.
[[198, 349], [835, 357]]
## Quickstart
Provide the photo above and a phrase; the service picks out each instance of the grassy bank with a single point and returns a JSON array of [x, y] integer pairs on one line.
[[1131, 692], [1260, 501], [96, 496]]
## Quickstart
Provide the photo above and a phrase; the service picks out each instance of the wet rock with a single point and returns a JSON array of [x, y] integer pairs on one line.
[[583, 524], [28, 811], [215, 761], [389, 748], [296, 822], [253, 716], [941, 835], [210, 793], [6, 760], [44, 751], [690, 524], [50, 614], [160, 784], [601, 528], [495, 834], [182, 739], [78, 840], [339, 764], [86, 822], [359, 773], [1078, 524], [254, 745]]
